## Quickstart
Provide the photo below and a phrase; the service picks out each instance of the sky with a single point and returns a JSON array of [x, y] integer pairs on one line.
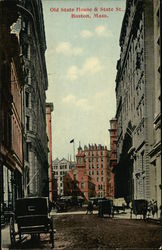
[[81, 60]]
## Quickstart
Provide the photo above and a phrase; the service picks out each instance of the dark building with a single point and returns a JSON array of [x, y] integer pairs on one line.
[[35, 147], [155, 150], [138, 102], [23, 82], [11, 86]]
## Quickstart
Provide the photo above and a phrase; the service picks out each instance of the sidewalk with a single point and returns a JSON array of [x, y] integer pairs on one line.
[[5, 237]]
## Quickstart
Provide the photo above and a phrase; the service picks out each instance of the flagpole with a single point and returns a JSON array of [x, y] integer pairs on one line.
[[72, 141], [74, 150]]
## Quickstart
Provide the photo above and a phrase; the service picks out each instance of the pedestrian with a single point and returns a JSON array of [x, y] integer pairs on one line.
[[155, 208], [90, 208], [131, 209], [160, 207], [123, 207], [149, 208]]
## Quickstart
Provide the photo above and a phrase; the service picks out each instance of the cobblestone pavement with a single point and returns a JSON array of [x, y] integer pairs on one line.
[[81, 231], [90, 231]]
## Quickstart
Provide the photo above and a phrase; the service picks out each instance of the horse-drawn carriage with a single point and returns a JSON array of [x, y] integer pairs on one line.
[[105, 207], [31, 217], [140, 207]]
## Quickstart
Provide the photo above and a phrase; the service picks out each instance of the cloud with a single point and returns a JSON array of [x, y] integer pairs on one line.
[[100, 31], [77, 51], [66, 48], [81, 103], [92, 65], [69, 99], [86, 33], [72, 73], [99, 95]]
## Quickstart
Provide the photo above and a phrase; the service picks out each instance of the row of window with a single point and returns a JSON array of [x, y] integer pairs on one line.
[[94, 159], [61, 167], [61, 172], [100, 187], [95, 172], [98, 179], [100, 194], [94, 153], [92, 166]]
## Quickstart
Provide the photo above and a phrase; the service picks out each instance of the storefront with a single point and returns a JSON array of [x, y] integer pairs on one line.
[[11, 183]]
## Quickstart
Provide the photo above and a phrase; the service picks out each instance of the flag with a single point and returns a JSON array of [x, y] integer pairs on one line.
[[72, 141]]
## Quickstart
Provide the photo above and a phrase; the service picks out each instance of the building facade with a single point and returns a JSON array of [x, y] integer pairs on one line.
[[77, 182], [11, 87], [49, 110], [155, 151], [97, 159], [60, 168], [113, 156], [33, 46], [135, 91]]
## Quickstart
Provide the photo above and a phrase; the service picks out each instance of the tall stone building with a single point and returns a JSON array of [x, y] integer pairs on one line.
[[11, 87], [155, 151], [60, 169], [135, 101], [33, 46], [113, 156], [23, 82], [49, 110]]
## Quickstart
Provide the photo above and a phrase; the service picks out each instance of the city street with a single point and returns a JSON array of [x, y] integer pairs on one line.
[[76, 230], [80, 124]]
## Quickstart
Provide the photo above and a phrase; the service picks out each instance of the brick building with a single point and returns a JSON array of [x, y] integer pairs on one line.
[[23, 82], [49, 110], [97, 160], [11, 86], [77, 182], [92, 173], [113, 156], [135, 94]]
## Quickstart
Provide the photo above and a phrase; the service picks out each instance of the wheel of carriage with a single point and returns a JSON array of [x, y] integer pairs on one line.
[[12, 231]]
